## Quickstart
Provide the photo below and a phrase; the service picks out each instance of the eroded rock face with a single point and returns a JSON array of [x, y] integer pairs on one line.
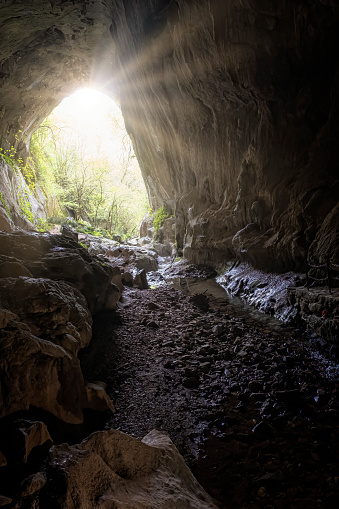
[[49, 289], [38, 373], [240, 110], [112, 470], [232, 108], [59, 258]]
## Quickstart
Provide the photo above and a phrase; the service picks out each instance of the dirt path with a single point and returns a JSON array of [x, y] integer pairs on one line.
[[253, 410]]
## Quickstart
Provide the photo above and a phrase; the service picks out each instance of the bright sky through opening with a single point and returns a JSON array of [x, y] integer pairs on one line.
[[91, 114]]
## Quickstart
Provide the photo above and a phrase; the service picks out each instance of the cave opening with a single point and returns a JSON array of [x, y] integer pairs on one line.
[[82, 158], [237, 140]]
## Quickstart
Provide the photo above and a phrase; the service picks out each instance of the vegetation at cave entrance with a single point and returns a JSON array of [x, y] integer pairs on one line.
[[160, 217], [99, 190]]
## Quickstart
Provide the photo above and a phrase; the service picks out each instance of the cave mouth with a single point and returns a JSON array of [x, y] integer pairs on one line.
[[85, 163]]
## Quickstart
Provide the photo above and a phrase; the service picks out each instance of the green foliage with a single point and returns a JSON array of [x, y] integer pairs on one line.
[[104, 198], [3, 201], [85, 227], [9, 155], [26, 206], [42, 225], [160, 217]]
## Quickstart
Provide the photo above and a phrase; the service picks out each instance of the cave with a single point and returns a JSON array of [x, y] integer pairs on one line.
[[232, 109]]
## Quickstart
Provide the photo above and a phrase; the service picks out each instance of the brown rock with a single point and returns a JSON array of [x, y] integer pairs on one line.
[[32, 484], [38, 373], [5, 500], [111, 469], [13, 269], [22, 437], [127, 279], [51, 309], [97, 398], [55, 257]]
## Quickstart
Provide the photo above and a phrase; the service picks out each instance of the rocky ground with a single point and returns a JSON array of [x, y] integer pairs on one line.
[[253, 409]]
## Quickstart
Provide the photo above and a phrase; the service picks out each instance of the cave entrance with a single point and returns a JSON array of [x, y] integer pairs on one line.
[[84, 161]]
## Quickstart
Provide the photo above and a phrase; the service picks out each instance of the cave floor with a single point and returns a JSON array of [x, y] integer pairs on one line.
[[253, 409]]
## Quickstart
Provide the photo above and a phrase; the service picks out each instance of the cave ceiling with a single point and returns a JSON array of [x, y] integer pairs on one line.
[[232, 108]]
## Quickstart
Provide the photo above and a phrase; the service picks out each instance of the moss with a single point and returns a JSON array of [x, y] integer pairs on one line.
[[160, 217], [2, 199], [26, 206]]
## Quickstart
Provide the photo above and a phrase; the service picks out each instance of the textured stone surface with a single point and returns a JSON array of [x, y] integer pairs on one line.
[[14, 190], [49, 289], [21, 438], [319, 310], [112, 470], [58, 258], [38, 373], [232, 108]]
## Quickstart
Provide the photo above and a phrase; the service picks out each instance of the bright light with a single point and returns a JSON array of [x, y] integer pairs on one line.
[[90, 113]]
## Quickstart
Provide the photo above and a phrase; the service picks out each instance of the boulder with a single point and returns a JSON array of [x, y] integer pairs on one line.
[[38, 373], [67, 231], [52, 309], [127, 278], [140, 280], [113, 470], [59, 258], [19, 438], [97, 398]]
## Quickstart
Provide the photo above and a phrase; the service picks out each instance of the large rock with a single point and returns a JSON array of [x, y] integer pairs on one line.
[[113, 470], [21, 438], [45, 322], [59, 258], [51, 309], [38, 373]]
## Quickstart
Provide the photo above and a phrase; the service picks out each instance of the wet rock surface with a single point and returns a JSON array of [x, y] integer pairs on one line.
[[286, 297], [254, 410]]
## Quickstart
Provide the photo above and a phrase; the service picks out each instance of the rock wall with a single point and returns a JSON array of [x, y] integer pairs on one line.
[[232, 108], [50, 288], [19, 205], [240, 105]]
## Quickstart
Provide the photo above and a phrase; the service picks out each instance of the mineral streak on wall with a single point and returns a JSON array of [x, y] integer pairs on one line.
[[232, 108]]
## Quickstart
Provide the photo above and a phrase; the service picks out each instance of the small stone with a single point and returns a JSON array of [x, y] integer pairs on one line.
[[152, 306], [263, 428], [218, 330], [262, 492], [153, 324], [255, 385]]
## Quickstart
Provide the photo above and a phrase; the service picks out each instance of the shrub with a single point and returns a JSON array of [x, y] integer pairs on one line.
[[160, 217]]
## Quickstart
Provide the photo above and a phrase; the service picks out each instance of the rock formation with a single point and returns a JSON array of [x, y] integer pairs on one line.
[[49, 289], [232, 108], [112, 470]]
